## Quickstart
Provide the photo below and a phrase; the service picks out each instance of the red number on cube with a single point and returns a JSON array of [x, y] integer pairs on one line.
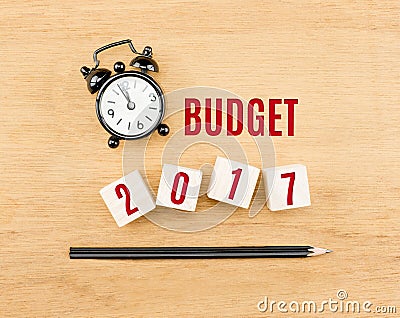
[[118, 190], [291, 176], [182, 195], [235, 183]]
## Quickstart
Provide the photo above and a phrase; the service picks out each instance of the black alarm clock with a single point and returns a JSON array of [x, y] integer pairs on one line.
[[129, 104]]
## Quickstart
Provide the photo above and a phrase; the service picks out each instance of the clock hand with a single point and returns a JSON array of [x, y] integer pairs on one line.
[[129, 97], [131, 104], [124, 93]]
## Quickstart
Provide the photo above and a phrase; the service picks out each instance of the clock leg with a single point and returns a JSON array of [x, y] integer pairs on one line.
[[163, 129], [113, 142]]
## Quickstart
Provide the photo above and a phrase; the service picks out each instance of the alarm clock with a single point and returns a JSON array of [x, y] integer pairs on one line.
[[129, 104]]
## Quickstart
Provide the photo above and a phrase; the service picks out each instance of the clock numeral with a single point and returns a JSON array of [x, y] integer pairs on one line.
[[140, 125], [125, 85], [152, 97], [111, 112]]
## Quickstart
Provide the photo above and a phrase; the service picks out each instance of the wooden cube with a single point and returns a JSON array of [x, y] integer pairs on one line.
[[128, 198], [287, 187], [233, 182], [179, 187]]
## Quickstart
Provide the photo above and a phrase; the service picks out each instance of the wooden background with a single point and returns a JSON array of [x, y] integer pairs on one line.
[[340, 58]]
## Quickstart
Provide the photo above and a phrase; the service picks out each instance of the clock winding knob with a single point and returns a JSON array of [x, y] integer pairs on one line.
[[119, 67], [147, 51], [85, 71]]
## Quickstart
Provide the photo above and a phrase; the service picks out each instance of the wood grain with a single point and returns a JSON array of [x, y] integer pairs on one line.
[[340, 58]]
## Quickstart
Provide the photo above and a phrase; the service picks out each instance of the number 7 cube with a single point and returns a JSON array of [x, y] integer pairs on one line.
[[286, 187]]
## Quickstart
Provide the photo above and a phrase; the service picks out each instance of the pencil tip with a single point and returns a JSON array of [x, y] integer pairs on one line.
[[315, 251]]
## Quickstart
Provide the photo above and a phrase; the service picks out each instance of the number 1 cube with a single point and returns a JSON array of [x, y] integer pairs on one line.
[[233, 182], [286, 187]]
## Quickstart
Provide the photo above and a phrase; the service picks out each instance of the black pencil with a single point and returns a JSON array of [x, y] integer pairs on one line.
[[194, 252]]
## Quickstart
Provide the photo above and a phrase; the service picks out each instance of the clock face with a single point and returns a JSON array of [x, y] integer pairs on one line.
[[130, 105]]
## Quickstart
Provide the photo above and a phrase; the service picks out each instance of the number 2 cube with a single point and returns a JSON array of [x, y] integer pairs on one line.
[[128, 198], [233, 182], [286, 187]]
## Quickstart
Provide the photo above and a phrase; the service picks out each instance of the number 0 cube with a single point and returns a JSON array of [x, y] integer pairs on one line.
[[233, 182], [286, 187], [179, 187]]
